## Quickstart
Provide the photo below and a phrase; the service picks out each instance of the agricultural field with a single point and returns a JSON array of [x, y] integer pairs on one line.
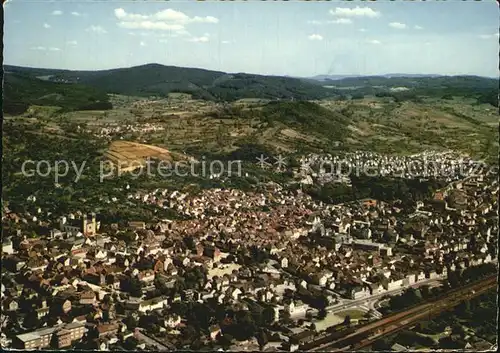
[[395, 122], [408, 127], [187, 125], [129, 155]]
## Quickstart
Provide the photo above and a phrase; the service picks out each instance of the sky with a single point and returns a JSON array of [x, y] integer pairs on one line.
[[273, 38]]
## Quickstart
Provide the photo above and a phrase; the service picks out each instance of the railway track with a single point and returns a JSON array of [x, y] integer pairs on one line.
[[367, 334], [433, 311]]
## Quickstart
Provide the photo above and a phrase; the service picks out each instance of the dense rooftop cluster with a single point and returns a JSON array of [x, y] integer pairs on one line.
[[242, 271]]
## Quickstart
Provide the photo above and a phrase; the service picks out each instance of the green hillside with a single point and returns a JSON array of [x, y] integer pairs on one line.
[[155, 79], [19, 92], [485, 90], [308, 118], [267, 87]]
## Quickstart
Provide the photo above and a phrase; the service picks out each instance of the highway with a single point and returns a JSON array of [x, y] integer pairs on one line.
[[365, 335]]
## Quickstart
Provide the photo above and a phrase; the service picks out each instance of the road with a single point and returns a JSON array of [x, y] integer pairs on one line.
[[365, 335], [150, 341], [344, 304]]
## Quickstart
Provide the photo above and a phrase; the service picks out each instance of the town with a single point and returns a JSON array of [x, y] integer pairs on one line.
[[263, 270], [255, 176]]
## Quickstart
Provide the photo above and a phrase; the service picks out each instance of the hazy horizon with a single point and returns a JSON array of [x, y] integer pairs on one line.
[[252, 73], [297, 39]]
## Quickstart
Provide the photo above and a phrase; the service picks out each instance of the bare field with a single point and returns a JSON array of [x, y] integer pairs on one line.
[[126, 153]]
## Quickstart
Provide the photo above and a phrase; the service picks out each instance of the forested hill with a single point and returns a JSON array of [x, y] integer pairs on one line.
[[21, 91], [75, 90], [484, 89], [155, 79]]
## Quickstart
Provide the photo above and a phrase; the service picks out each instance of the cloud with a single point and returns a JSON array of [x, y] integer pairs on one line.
[[226, 42], [57, 12], [151, 25], [397, 25], [45, 49], [343, 21], [355, 12], [122, 15], [374, 41], [77, 14], [203, 39], [141, 34], [418, 27], [488, 36], [142, 44], [166, 20], [72, 42], [46, 25], [178, 33], [315, 37], [96, 29], [362, 30], [337, 21]]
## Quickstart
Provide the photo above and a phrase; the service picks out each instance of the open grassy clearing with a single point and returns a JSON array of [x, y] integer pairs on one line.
[[354, 314]]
